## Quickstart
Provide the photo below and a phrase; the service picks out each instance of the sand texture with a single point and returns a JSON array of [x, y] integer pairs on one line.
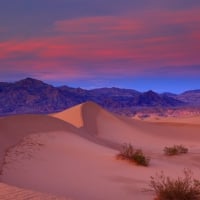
[[8, 192]]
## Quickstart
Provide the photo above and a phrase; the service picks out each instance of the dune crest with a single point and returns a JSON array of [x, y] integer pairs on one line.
[[72, 115]]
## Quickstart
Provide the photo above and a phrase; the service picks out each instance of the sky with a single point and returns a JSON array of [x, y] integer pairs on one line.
[[138, 44]]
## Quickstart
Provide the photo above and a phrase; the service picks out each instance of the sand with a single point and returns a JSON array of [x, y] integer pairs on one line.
[[72, 115], [14, 128], [193, 120], [8, 192], [75, 154]]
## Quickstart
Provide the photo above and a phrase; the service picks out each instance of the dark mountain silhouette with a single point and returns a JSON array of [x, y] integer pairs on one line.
[[34, 96], [151, 98]]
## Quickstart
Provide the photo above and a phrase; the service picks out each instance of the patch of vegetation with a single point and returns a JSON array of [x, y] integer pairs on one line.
[[137, 156], [175, 150], [166, 188]]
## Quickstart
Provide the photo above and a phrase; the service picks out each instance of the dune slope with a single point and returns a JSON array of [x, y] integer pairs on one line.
[[65, 164], [101, 124], [14, 128]]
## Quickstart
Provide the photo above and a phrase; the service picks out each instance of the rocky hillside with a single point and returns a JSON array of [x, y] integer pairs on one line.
[[34, 96], [191, 97]]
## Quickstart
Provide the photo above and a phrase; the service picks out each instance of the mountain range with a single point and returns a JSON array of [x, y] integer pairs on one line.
[[34, 96]]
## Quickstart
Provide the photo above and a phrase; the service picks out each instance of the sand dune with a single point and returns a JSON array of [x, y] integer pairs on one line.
[[65, 164], [101, 124], [118, 130], [62, 163], [14, 128], [68, 165]]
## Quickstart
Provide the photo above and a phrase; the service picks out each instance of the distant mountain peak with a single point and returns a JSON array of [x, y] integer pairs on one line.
[[29, 80], [150, 92]]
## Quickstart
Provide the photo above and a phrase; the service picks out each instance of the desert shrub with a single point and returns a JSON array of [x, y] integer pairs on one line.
[[175, 150], [166, 188], [137, 156]]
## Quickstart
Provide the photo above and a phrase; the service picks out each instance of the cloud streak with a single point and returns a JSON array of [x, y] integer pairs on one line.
[[109, 46]]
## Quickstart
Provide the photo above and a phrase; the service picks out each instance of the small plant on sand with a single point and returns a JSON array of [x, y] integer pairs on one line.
[[137, 156], [166, 188], [175, 150]]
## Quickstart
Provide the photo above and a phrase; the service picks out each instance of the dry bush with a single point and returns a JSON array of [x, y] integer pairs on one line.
[[134, 155], [166, 188], [175, 150]]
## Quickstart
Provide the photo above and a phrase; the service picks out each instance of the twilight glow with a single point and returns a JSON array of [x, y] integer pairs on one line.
[[138, 44]]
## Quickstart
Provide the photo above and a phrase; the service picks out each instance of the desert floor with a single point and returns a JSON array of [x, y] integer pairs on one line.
[[72, 154]]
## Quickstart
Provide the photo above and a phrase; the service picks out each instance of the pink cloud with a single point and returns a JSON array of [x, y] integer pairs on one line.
[[147, 25], [102, 41]]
